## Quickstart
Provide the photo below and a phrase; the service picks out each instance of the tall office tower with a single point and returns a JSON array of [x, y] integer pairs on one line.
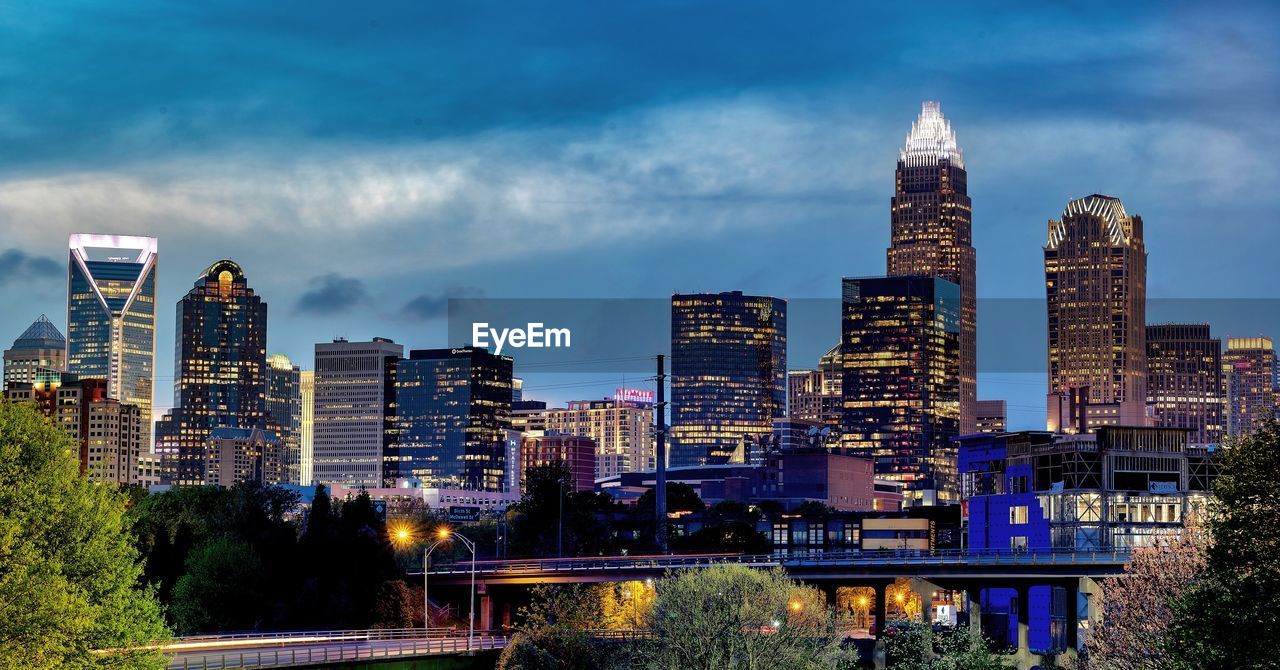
[[932, 232], [1184, 380], [1095, 268], [728, 374], [1249, 366], [306, 427], [220, 369], [453, 407], [109, 434], [815, 395], [354, 411], [284, 412], [40, 348], [901, 353], [578, 453], [621, 429], [111, 316], [991, 416]]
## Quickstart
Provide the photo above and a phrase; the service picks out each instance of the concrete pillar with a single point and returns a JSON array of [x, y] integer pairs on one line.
[[484, 617], [925, 591], [1072, 588], [1024, 659], [882, 607], [974, 607]]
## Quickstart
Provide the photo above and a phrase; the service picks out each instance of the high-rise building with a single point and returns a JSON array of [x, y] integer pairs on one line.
[[109, 434], [991, 416], [901, 348], [40, 348], [932, 236], [621, 429], [1249, 366], [815, 395], [306, 427], [244, 455], [453, 407], [354, 411], [284, 412], [728, 374], [1184, 380], [111, 316], [1095, 269], [578, 453], [529, 415], [220, 369]]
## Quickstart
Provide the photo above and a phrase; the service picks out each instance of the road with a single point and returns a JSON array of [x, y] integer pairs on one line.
[[311, 650]]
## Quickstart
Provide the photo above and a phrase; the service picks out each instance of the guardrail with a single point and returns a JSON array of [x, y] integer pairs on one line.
[[825, 558], [297, 637], [303, 655]]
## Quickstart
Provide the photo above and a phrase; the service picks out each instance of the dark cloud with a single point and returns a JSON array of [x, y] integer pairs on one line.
[[434, 305], [17, 265], [333, 294]]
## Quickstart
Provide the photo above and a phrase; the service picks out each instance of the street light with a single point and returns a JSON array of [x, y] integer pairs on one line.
[[403, 536], [445, 534]]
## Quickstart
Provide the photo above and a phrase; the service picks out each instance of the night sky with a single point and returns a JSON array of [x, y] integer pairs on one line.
[[365, 161]]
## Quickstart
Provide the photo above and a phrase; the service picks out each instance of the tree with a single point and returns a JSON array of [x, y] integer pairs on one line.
[[551, 518], [69, 577], [1229, 618], [914, 646], [737, 617], [555, 630], [222, 589], [1138, 607]]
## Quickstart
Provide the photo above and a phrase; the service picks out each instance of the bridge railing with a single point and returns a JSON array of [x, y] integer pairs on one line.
[[316, 655], [300, 637], [795, 559]]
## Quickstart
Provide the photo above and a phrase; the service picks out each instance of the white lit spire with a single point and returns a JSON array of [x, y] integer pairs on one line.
[[931, 139]]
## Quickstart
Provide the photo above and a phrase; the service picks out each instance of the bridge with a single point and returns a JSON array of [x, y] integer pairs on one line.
[[312, 649]]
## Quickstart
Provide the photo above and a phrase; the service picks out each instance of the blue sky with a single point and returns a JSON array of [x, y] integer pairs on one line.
[[366, 161]]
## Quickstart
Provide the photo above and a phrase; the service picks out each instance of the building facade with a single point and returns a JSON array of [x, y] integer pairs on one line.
[[1095, 267], [931, 235], [306, 427], [1249, 367], [284, 412], [245, 455], [220, 369], [453, 407], [815, 395], [991, 416], [353, 411], [901, 387], [1185, 387], [40, 348], [622, 430], [728, 374], [111, 316], [578, 453]]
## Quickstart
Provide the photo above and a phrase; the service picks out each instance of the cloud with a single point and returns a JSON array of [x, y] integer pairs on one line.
[[17, 265], [333, 294], [429, 306]]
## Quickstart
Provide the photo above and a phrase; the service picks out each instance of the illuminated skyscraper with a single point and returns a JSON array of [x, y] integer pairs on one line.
[[111, 316], [992, 416], [728, 374], [220, 367], [815, 395], [1095, 267], [453, 408], [41, 347], [621, 429], [932, 236], [901, 351], [284, 411], [1249, 365], [354, 411], [306, 427], [1184, 380]]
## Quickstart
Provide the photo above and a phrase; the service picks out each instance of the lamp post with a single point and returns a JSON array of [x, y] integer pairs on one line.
[[402, 538], [445, 535]]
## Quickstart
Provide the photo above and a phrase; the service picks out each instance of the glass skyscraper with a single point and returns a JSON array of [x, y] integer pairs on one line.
[[111, 316], [728, 375], [284, 411], [40, 348], [220, 370], [1185, 380], [900, 351], [453, 407]]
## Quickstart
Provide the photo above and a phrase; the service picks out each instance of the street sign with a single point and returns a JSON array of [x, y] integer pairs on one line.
[[464, 514]]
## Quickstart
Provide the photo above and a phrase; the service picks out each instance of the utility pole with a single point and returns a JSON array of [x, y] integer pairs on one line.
[[660, 479]]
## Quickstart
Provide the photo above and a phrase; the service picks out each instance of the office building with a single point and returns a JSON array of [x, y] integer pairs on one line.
[[1249, 367], [40, 348], [284, 412], [1095, 268], [244, 455], [900, 350], [931, 236], [576, 452], [220, 368], [453, 407], [111, 316], [353, 411], [728, 374], [816, 395], [110, 435], [529, 416], [1185, 387], [306, 426], [991, 416], [621, 429]]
